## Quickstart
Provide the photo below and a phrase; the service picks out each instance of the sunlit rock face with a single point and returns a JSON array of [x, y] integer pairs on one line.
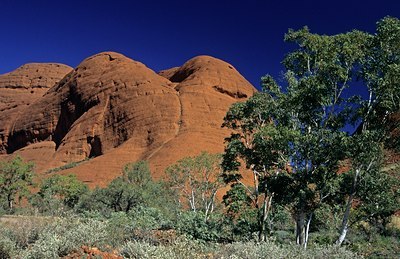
[[115, 110]]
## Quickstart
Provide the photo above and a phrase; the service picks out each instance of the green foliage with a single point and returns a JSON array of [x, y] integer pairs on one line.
[[66, 166], [15, 179], [119, 195], [7, 247], [147, 218], [137, 173], [66, 188], [271, 250], [241, 212], [197, 180], [65, 236], [181, 248], [39, 237], [237, 200], [381, 71], [119, 228], [134, 189], [374, 245], [194, 225], [379, 199], [293, 138], [185, 248]]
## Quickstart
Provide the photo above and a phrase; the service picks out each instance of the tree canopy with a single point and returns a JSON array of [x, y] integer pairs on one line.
[[295, 137], [16, 177]]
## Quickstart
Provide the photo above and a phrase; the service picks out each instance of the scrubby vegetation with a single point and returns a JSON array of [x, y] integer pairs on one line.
[[66, 166], [153, 222], [315, 191], [27, 237]]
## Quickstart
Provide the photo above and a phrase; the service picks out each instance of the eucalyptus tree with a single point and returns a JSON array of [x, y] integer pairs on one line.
[[293, 137], [261, 144], [197, 180], [377, 113]]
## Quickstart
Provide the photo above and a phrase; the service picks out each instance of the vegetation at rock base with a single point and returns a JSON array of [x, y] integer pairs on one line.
[[57, 192], [300, 184], [15, 179], [197, 180]]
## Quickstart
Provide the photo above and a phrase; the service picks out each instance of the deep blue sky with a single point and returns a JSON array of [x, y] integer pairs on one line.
[[163, 34]]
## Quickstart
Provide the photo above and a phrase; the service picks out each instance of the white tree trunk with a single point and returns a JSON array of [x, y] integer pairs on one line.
[[192, 201], [343, 234], [266, 210], [306, 234], [346, 216]]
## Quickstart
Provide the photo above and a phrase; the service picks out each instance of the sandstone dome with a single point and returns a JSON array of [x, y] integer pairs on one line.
[[115, 110]]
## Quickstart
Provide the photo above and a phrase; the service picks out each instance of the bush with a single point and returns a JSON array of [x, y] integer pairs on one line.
[[50, 237], [61, 237], [146, 218], [181, 248], [132, 190], [375, 246], [186, 248], [119, 229], [194, 225], [271, 250], [23, 231], [7, 247]]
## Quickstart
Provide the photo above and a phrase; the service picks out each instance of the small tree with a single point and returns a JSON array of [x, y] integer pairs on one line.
[[197, 180], [126, 192], [262, 147], [133, 189], [66, 188], [15, 179], [137, 173]]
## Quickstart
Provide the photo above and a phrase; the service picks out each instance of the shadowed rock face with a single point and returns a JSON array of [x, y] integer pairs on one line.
[[116, 110], [20, 88]]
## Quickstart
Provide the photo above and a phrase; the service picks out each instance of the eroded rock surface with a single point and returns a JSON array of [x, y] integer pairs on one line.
[[20, 88], [115, 110]]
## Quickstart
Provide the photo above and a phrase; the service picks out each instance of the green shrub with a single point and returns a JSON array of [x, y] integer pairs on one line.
[[147, 218], [270, 249], [7, 247], [194, 225], [375, 246], [186, 248], [119, 229], [181, 248], [135, 249], [66, 166], [23, 231], [66, 235]]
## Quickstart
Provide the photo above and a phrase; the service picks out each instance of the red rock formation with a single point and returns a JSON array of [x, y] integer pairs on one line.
[[116, 110], [20, 88]]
